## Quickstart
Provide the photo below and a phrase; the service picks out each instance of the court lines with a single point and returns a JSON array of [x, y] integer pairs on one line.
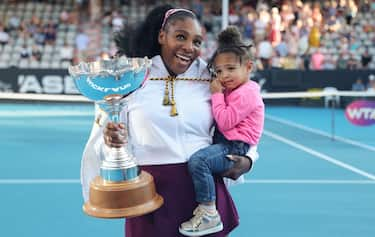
[[308, 181], [40, 110], [252, 181], [39, 181], [321, 133], [318, 154], [275, 136]]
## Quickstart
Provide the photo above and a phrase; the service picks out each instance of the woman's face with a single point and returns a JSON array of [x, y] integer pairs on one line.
[[180, 44]]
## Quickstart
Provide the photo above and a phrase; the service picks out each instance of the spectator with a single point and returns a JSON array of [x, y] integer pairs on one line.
[[276, 60], [4, 36], [261, 25], [366, 58], [25, 51], [371, 83], [275, 34], [82, 41], [282, 47], [208, 46], [292, 41], [306, 60], [314, 37], [64, 17], [40, 36], [342, 61], [198, 8], [343, 44], [66, 53], [354, 44], [265, 52], [332, 24], [248, 29], [290, 62], [50, 34], [358, 85], [117, 22], [317, 59], [13, 23], [352, 64], [328, 63], [303, 44], [351, 11], [36, 53]]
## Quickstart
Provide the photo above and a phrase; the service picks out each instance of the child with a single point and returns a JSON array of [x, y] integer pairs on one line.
[[238, 110]]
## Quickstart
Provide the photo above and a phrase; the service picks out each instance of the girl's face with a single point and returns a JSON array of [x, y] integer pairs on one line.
[[180, 44], [230, 72]]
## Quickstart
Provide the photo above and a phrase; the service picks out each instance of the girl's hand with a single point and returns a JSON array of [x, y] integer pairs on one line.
[[115, 135], [216, 86]]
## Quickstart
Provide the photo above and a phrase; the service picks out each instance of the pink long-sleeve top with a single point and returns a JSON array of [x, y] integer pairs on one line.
[[239, 114]]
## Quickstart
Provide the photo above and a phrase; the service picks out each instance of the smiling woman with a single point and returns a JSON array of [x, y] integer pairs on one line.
[[161, 139]]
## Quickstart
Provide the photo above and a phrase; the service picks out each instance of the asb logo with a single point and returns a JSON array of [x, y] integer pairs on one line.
[[361, 112]]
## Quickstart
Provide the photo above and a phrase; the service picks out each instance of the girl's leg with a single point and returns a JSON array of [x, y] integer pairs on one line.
[[206, 219], [202, 165]]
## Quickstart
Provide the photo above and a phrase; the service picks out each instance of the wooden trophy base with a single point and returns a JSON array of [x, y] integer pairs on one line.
[[122, 199]]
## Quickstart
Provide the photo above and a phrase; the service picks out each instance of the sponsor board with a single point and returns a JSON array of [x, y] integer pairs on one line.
[[361, 112]]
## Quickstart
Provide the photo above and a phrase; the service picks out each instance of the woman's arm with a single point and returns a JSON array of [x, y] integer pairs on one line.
[[242, 164]]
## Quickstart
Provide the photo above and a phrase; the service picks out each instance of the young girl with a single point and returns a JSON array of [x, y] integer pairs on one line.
[[238, 110]]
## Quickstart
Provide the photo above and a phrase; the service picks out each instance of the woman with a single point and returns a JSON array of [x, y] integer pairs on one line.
[[169, 119]]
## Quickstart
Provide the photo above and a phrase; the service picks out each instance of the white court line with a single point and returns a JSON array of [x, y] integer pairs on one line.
[[252, 181], [307, 181], [319, 132], [40, 181], [52, 113], [319, 155]]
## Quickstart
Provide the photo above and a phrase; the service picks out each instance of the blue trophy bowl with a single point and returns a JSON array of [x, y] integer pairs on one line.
[[102, 79]]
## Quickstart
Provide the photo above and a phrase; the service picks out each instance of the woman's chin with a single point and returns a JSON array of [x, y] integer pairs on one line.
[[179, 69]]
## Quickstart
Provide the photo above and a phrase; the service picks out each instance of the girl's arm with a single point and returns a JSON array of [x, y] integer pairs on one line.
[[228, 112]]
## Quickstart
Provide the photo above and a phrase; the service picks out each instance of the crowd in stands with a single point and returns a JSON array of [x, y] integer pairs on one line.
[[308, 35], [290, 34]]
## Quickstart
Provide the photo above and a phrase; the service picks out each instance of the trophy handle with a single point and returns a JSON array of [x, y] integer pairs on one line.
[[118, 164]]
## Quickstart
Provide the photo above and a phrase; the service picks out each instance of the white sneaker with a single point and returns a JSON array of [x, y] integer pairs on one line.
[[202, 223]]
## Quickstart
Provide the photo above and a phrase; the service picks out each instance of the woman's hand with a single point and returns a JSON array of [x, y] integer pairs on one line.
[[241, 166], [216, 86], [115, 135]]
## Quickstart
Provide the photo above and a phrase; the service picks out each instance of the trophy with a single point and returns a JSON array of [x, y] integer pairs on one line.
[[121, 189]]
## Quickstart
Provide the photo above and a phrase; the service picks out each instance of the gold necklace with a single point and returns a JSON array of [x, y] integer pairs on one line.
[[169, 100]]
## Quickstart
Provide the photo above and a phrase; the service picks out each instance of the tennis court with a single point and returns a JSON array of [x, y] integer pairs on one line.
[[305, 183]]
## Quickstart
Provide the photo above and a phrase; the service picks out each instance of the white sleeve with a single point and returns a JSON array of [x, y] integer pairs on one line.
[[91, 158], [253, 153]]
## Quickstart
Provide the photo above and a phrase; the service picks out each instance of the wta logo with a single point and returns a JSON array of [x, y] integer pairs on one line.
[[361, 112]]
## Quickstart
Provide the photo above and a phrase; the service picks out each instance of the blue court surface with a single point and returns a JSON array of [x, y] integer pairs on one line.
[[307, 182]]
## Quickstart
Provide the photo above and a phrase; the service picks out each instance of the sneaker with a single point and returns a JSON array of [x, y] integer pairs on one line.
[[202, 223]]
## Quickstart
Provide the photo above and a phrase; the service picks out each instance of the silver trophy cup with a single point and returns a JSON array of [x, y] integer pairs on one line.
[[121, 190]]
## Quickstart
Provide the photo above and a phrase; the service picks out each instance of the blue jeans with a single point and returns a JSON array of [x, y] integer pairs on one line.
[[210, 161]]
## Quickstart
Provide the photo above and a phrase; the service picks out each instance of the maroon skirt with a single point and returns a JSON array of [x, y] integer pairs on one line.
[[174, 184]]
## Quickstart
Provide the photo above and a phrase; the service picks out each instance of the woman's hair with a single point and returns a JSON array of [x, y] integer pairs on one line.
[[230, 41], [142, 40]]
